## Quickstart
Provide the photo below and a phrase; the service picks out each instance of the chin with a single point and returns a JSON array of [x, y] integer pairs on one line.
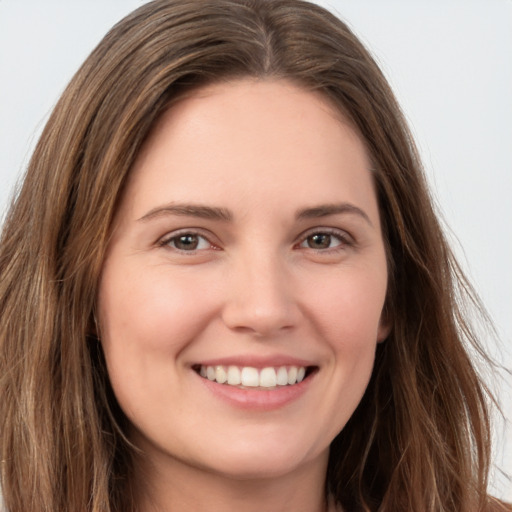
[[259, 461], [253, 470]]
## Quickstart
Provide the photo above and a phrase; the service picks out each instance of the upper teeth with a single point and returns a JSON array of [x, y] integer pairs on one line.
[[268, 377]]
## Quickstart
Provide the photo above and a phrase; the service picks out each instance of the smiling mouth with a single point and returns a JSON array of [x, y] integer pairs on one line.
[[248, 377]]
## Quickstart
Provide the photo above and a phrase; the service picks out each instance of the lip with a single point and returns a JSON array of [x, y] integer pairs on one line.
[[256, 362], [257, 400]]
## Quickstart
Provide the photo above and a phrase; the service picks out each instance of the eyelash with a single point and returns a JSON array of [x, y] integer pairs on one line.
[[166, 241], [344, 239]]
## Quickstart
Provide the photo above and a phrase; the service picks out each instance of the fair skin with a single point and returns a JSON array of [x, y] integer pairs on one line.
[[248, 237]]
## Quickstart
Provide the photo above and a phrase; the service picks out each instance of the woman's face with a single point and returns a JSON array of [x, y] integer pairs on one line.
[[242, 293]]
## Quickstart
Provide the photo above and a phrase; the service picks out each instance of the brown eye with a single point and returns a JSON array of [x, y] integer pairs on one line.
[[319, 241], [188, 242], [323, 240]]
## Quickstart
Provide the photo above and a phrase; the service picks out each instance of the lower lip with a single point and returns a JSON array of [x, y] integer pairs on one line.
[[257, 399]]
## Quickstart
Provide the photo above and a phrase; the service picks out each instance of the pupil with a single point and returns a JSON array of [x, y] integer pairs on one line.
[[320, 241], [187, 242]]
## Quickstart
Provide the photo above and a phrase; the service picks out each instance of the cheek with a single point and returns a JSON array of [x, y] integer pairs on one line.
[[148, 311], [346, 313], [146, 321], [348, 308]]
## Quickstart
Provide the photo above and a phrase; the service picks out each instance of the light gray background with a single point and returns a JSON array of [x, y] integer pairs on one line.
[[450, 63]]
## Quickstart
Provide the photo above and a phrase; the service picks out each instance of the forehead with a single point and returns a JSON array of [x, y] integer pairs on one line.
[[248, 137]]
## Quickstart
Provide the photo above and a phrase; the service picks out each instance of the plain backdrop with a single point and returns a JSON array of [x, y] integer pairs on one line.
[[450, 64]]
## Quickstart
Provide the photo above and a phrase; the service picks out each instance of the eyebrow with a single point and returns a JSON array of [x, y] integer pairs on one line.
[[188, 210], [223, 214], [324, 210]]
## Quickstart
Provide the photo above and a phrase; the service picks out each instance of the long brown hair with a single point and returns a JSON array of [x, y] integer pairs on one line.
[[419, 440]]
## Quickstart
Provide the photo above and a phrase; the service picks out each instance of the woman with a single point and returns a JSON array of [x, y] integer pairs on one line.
[[224, 285]]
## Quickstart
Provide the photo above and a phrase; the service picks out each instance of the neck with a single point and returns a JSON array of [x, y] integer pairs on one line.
[[178, 486]]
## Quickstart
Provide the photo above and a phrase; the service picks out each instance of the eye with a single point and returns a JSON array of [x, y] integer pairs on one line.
[[324, 240], [187, 242]]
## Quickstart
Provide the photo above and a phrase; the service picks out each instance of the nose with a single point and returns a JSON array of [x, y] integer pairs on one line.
[[261, 298]]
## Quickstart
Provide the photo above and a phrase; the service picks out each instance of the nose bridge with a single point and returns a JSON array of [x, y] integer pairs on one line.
[[261, 299]]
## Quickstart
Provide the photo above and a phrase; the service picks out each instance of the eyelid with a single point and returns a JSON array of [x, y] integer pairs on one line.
[[164, 240], [346, 239]]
